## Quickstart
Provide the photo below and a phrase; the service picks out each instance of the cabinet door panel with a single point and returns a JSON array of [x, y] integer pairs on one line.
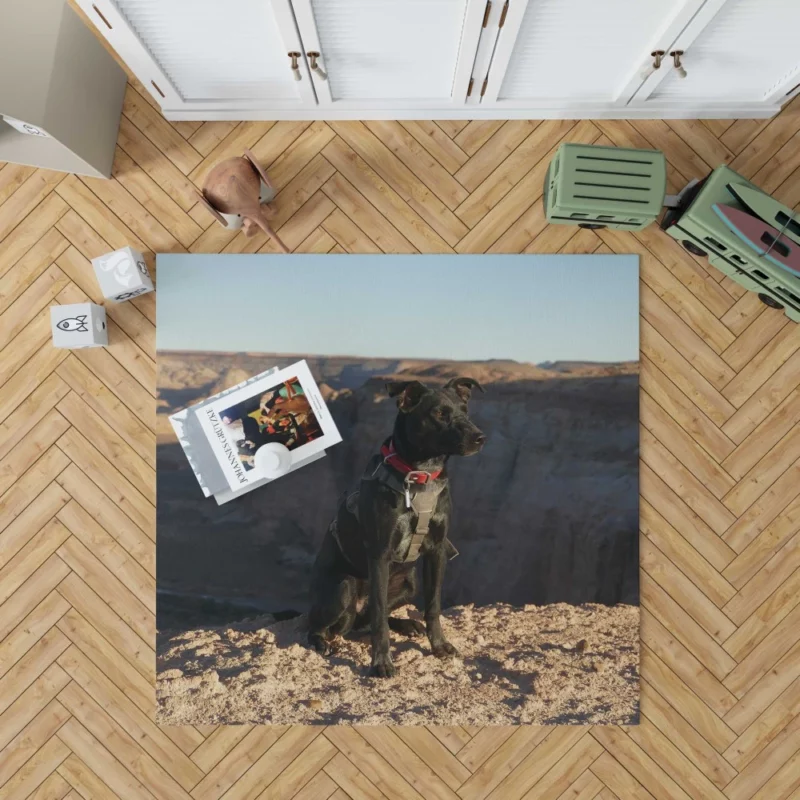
[[207, 54], [579, 52], [747, 52], [391, 53]]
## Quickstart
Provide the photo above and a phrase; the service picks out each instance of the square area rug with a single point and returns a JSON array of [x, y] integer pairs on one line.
[[540, 595]]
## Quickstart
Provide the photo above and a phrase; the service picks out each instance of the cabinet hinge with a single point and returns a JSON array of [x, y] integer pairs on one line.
[[483, 88], [487, 12], [503, 15], [469, 88]]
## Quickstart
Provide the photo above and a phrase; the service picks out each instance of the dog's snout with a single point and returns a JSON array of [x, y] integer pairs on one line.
[[479, 438]]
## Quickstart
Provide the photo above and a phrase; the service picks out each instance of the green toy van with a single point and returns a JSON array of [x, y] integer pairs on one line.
[[700, 230], [605, 187]]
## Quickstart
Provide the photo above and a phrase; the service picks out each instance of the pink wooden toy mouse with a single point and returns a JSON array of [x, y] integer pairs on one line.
[[232, 192]]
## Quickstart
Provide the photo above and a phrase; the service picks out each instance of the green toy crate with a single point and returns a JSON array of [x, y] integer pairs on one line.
[[605, 187], [695, 224]]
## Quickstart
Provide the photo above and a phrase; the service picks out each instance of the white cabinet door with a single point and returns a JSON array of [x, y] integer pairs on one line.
[[734, 51], [579, 54], [390, 54], [208, 56]]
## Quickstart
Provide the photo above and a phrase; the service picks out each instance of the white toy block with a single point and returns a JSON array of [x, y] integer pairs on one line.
[[78, 325], [122, 274]]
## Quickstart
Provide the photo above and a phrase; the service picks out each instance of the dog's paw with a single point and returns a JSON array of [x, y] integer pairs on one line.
[[407, 627], [323, 646], [382, 667], [444, 649]]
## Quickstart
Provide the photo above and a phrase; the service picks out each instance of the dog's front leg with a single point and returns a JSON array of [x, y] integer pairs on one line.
[[382, 666], [433, 575]]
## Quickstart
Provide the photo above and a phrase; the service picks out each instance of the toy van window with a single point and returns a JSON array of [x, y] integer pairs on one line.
[[737, 259], [604, 216], [578, 215], [792, 225], [779, 247], [759, 274], [786, 293], [715, 243], [633, 219]]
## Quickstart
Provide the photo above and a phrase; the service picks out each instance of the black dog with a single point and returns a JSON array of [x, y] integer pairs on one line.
[[366, 565]]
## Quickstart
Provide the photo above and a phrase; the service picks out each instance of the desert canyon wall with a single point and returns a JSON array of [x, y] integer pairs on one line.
[[546, 513]]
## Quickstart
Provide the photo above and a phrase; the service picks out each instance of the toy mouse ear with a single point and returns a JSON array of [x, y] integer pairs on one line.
[[211, 210], [258, 168], [463, 387], [408, 393]]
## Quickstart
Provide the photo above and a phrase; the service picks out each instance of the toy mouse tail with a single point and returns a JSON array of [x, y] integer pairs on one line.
[[267, 228]]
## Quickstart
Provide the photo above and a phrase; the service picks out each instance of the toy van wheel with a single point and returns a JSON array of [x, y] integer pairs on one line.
[[592, 226], [770, 301], [693, 248]]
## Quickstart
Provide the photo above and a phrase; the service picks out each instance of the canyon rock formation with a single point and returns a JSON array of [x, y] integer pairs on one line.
[[546, 513]]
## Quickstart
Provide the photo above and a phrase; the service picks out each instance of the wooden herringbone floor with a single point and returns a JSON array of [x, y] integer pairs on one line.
[[720, 476]]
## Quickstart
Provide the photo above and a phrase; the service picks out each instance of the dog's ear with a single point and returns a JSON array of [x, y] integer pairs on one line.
[[408, 393], [463, 387]]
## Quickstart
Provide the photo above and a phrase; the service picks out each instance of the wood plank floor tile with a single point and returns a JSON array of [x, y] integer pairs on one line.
[[153, 777], [96, 503], [84, 782], [689, 743], [127, 713], [37, 769], [12, 176], [30, 704], [437, 143], [31, 738], [31, 266]]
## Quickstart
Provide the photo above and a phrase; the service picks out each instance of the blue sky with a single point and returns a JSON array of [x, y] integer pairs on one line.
[[527, 308]]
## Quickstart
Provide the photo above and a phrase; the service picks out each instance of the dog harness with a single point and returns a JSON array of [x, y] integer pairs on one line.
[[419, 489]]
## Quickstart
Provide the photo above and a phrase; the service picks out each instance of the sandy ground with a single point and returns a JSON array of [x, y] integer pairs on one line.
[[536, 664]]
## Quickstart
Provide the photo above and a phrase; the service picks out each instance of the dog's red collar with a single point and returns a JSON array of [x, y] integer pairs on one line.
[[391, 458]]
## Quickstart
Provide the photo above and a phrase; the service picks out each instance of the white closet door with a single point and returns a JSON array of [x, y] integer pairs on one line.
[[748, 51], [574, 53], [207, 54], [391, 53]]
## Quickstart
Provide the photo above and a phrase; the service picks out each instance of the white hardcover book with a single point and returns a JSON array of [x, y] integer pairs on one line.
[[201, 451], [283, 407]]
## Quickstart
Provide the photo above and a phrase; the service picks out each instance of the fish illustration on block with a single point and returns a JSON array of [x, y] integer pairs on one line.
[[122, 274], [761, 237], [74, 324], [119, 263]]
